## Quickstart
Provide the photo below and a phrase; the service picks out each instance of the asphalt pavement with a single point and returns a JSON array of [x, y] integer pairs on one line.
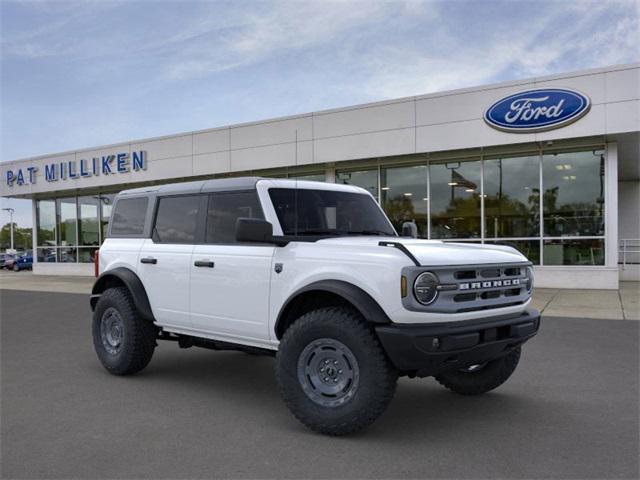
[[569, 411]]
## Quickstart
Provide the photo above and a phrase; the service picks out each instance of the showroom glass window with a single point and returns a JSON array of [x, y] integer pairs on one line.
[[512, 197], [367, 179], [573, 207], [313, 177], [88, 221], [573, 197], [106, 206], [46, 230], [67, 229], [88, 228], [405, 197], [455, 199]]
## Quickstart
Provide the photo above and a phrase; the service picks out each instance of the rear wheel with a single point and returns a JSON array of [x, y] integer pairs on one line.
[[481, 378], [124, 341], [332, 372]]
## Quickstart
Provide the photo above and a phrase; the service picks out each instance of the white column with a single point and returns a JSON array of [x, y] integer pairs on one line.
[[330, 173], [611, 205], [34, 232]]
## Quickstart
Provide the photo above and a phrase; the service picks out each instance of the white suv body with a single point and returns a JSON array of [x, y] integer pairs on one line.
[[179, 253]]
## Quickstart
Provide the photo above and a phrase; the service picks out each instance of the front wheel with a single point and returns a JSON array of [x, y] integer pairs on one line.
[[124, 341], [16, 268], [332, 373], [478, 379]]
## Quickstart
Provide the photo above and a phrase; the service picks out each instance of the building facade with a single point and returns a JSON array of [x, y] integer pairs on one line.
[[548, 165]]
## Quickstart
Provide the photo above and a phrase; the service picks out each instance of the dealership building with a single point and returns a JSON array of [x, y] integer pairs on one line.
[[549, 165]]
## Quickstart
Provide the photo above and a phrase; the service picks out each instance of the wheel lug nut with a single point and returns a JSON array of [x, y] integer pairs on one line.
[[322, 369], [326, 379], [335, 362], [335, 380], [339, 371], [326, 362]]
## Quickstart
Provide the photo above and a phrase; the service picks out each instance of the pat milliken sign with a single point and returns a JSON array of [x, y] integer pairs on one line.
[[537, 110], [117, 163]]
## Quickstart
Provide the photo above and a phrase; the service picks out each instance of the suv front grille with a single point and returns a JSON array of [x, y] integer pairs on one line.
[[470, 288]]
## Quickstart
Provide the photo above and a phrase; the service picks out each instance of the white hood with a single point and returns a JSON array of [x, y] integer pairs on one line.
[[435, 252]]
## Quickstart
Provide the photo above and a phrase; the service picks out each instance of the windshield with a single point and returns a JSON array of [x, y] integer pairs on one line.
[[327, 212]]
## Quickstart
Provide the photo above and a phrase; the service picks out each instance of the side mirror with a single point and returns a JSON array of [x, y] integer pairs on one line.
[[255, 230]]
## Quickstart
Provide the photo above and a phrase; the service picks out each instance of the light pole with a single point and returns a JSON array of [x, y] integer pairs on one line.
[[11, 212]]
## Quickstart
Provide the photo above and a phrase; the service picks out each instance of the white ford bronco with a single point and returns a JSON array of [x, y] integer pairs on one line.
[[316, 275]]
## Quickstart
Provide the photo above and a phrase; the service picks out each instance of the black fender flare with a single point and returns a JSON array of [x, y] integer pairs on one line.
[[361, 300], [133, 284]]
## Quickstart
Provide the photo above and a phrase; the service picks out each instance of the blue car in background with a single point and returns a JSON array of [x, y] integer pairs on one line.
[[23, 262]]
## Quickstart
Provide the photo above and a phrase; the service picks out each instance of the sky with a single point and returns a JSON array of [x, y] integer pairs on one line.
[[86, 73]]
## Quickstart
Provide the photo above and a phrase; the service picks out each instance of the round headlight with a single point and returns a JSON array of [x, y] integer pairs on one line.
[[529, 279], [425, 288]]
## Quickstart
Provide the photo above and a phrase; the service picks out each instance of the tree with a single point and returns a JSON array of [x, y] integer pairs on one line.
[[22, 237]]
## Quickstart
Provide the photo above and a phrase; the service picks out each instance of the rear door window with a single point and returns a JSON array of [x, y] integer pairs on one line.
[[129, 216], [176, 219]]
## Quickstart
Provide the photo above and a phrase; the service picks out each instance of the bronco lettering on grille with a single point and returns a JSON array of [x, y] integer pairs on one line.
[[489, 284]]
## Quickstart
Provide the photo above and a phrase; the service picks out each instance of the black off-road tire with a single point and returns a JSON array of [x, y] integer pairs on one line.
[[483, 380], [376, 379], [138, 336]]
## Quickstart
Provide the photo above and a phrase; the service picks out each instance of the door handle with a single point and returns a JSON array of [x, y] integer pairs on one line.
[[150, 260], [204, 263]]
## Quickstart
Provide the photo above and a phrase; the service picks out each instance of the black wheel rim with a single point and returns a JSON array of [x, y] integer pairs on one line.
[[328, 372], [111, 331]]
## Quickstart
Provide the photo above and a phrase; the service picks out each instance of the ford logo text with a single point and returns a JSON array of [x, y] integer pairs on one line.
[[537, 110]]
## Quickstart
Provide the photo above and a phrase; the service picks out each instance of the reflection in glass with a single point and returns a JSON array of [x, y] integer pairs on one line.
[[106, 202], [313, 177], [574, 252], [455, 200], [405, 198], [46, 222], [512, 197], [67, 254], [67, 221], [367, 179], [47, 255], [88, 225], [573, 198], [529, 248], [87, 255]]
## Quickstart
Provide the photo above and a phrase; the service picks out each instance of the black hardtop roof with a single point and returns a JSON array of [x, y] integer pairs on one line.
[[201, 186]]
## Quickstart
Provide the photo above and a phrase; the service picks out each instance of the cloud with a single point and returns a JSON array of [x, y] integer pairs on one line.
[[101, 72], [526, 47], [286, 27]]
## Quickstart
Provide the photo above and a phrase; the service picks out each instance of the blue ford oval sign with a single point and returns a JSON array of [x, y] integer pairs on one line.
[[537, 110]]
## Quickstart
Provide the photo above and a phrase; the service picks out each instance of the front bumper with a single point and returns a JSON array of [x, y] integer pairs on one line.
[[425, 350]]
